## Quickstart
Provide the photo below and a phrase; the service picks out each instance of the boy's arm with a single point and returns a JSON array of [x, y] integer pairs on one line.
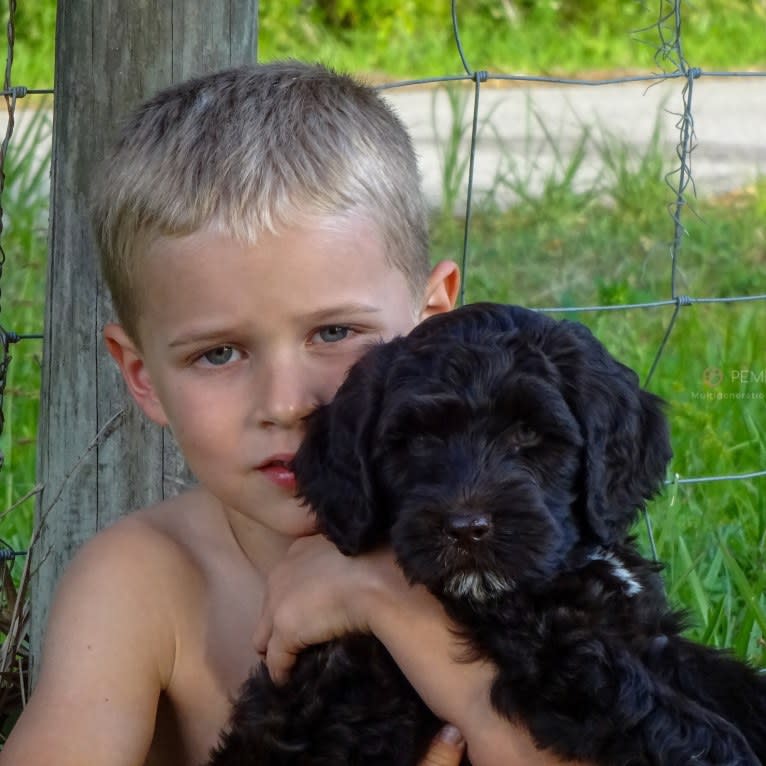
[[414, 627], [316, 594], [106, 657]]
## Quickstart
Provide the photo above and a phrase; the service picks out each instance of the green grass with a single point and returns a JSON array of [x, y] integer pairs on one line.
[[392, 39], [596, 36], [25, 206]]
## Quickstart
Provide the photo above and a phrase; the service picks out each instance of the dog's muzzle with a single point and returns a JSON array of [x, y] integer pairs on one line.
[[466, 538]]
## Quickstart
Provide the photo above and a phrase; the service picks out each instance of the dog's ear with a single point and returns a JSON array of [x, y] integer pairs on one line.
[[625, 430], [334, 466]]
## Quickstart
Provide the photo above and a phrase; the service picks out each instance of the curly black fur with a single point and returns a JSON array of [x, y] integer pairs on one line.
[[504, 455]]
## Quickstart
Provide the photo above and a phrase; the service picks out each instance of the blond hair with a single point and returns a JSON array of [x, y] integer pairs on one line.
[[253, 149]]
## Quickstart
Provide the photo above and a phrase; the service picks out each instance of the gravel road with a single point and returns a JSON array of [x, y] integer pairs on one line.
[[530, 132]]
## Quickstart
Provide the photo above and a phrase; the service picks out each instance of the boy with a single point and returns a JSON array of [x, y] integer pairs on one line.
[[259, 228]]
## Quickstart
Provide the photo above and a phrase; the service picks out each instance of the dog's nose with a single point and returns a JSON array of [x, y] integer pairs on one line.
[[468, 527]]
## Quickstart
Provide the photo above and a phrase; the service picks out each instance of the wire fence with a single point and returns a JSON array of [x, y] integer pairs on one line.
[[11, 94], [670, 59], [11, 618]]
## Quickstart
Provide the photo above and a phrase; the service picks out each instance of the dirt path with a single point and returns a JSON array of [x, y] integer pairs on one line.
[[528, 133]]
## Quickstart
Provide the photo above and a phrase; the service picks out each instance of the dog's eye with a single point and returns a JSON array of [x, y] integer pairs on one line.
[[408, 443], [523, 436]]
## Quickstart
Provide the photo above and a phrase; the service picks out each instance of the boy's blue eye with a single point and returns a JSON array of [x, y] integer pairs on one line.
[[333, 333], [219, 356]]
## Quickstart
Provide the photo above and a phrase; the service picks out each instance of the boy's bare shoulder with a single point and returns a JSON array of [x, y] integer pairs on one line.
[[175, 537], [154, 565], [118, 634]]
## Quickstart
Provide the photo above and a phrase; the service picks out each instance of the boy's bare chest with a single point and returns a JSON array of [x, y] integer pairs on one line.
[[214, 655]]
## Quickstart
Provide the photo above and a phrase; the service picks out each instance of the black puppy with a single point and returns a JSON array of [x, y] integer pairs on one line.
[[503, 455]]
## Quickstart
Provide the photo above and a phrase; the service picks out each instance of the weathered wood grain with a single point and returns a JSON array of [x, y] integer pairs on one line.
[[110, 55]]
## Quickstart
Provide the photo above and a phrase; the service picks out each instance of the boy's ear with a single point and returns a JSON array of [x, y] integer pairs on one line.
[[131, 363], [441, 289]]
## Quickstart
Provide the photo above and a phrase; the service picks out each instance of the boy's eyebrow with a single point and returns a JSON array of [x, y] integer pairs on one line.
[[193, 338], [334, 312]]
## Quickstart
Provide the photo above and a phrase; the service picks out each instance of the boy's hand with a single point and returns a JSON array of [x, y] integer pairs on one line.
[[311, 597]]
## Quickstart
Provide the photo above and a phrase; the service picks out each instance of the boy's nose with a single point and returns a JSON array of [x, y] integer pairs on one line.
[[284, 397], [284, 415]]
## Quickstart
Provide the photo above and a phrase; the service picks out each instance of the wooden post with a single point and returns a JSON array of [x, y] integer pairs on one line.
[[94, 463]]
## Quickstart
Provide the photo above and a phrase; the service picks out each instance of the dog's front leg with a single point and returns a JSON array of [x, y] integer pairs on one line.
[[716, 680], [585, 699]]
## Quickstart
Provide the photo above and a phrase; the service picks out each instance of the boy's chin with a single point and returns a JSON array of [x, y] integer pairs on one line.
[[308, 527], [277, 512], [291, 519]]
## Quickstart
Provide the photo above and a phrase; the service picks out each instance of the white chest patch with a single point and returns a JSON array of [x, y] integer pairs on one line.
[[620, 571]]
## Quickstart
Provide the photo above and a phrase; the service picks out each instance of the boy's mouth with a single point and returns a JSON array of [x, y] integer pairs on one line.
[[278, 470]]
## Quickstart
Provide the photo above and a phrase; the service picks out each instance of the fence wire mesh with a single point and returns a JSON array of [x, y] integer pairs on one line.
[[11, 95], [14, 604], [670, 59]]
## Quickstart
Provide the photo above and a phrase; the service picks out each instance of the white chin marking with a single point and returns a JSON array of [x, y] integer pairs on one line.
[[478, 586]]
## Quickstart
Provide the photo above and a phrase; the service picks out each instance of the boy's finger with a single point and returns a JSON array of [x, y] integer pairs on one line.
[[260, 640], [446, 749], [279, 661], [262, 633]]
